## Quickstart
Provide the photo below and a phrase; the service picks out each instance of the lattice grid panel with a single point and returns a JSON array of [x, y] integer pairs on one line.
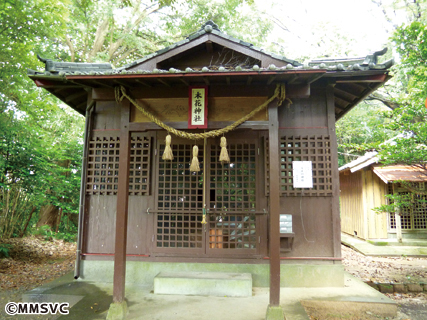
[[103, 165], [420, 212], [233, 185], [316, 149], [232, 232], [178, 188], [179, 230], [414, 217], [139, 171]]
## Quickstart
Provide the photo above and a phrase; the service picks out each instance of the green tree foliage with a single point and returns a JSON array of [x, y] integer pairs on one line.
[[36, 135], [410, 117], [120, 32], [362, 129], [40, 138]]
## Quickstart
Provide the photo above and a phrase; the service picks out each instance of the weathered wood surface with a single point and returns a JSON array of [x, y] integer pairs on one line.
[[219, 109]]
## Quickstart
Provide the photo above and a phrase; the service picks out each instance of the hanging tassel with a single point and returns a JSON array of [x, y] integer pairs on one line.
[[223, 157], [194, 167], [167, 154]]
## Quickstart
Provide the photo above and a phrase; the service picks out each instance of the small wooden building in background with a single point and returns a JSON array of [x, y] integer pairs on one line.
[[364, 185]]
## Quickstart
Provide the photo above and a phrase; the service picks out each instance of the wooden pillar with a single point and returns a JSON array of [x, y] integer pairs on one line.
[[336, 219], [274, 231], [118, 308], [397, 218]]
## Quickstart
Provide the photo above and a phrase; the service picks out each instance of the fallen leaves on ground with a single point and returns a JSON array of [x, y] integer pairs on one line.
[[384, 269], [34, 261]]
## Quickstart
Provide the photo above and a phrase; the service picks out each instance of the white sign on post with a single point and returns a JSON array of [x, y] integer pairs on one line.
[[303, 174]]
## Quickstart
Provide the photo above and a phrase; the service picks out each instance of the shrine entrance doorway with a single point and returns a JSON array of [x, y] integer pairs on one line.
[[233, 195]]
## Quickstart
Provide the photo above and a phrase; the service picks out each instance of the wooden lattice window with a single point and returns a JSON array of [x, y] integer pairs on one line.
[[178, 188], [232, 232], [316, 149], [232, 185], [139, 171], [419, 212], [103, 165], [413, 217], [179, 230]]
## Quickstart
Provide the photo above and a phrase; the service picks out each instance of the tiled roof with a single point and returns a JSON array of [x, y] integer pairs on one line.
[[332, 65]]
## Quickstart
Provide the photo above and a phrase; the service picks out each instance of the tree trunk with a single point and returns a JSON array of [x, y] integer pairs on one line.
[[48, 216]]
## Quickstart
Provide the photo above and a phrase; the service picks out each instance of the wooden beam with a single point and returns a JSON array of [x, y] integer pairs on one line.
[[209, 46], [105, 94], [143, 83], [184, 81], [81, 106], [271, 79], [373, 78], [127, 85], [102, 84], [164, 82], [344, 93], [206, 80], [182, 125], [314, 78], [75, 96], [249, 81], [298, 91], [292, 80], [227, 79], [274, 230]]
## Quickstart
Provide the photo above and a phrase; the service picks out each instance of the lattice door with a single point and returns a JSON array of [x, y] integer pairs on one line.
[[231, 195], [233, 199], [178, 227]]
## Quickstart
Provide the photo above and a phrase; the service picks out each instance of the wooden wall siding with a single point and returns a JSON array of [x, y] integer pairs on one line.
[[311, 223], [351, 202], [140, 222], [305, 116], [100, 224], [219, 109], [107, 116], [374, 196], [362, 191]]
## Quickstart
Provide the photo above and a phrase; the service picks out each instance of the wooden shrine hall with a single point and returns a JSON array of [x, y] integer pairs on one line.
[[211, 155]]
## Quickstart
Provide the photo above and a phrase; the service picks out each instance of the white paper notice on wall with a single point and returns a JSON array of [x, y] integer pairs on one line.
[[303, 174]]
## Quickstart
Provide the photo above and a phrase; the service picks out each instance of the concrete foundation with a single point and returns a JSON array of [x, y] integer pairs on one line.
[[204, 283], [117, 311], [274, 313], [291, 275]]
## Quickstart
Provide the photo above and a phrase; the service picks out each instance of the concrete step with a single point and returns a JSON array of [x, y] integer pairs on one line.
[[218, 284]]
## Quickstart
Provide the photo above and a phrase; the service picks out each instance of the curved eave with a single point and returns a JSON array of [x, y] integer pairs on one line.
[[350, 88]]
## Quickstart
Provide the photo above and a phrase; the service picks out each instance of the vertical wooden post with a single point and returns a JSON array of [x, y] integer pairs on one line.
[[336, 220], [397, 217], [274, 239], [118, 308]]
